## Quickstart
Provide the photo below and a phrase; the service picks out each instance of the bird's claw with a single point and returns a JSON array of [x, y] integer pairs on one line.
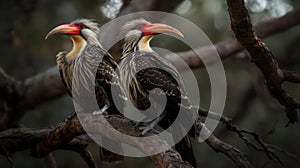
[[150, 126], [137, 124], [101, 111]]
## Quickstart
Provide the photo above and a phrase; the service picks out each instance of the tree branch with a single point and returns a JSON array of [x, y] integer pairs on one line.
[[10, 111], [293, 77], [268, 28], [219, 146], [62, 133], [258, 145], [230, 47], [262, 56], [17, 96], [19, 139], [169, 158], [277, 149], [65, 136], [42, 88]]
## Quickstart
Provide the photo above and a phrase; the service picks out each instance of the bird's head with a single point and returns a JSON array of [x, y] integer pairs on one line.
[[75, 28], [80, 31], [138, 34]]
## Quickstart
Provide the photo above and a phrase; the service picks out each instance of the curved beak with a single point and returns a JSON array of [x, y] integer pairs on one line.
[[69, 29], [158, 28]]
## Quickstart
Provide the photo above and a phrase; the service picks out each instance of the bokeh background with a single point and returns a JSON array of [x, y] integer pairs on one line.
[[24, 53]]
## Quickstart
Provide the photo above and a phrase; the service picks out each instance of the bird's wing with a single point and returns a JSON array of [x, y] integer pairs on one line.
[[69, 91], [100, 62], [144, 72], [106, 78], [155, 72], [62, 66], [151, 78]]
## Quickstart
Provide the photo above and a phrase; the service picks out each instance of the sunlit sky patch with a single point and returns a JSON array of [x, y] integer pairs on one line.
[[111, 8], [184, 7], [256, 5], [275, 8], [279, 7]]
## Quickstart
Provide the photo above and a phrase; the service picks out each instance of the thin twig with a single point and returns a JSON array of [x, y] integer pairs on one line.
[[260, 146], [233, 153], [293, 77], [288, 154]]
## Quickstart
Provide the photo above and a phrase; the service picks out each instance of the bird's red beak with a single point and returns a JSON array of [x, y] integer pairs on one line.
[[68, 29], [157, 28]]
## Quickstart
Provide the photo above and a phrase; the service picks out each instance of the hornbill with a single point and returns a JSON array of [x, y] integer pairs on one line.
[[86, 57], [143, 71]]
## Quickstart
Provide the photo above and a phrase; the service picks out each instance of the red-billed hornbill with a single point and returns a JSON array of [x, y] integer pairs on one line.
[[86, 57], [142, 71]]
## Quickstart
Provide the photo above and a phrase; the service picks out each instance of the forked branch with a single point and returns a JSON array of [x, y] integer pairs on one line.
[[262, 57]]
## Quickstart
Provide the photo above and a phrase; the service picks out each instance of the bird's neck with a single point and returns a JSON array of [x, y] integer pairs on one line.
[[144, 44], [79, 44], [132, 45]]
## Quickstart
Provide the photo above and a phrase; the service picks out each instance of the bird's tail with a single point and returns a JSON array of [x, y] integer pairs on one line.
[[107, 156], [184, 147]]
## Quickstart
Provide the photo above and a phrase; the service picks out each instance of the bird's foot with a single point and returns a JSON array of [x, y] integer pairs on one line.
[[150, 126], [137, 124], [72, 115], [101, 111]]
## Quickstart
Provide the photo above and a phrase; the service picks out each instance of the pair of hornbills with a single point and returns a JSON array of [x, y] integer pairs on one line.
[[136, 85]]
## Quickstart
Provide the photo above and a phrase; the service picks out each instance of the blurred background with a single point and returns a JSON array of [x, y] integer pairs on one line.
[[24, 53]]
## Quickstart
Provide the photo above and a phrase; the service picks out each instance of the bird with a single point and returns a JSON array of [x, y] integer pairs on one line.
[[143, 71], [78, 64]]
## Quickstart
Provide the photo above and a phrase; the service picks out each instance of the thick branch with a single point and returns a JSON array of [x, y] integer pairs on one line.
[[10, 111], [17, 96], [42, 142], [46, 141], [43, 87], [268, 28], [19, 139], [62, 133], [169, 158], [230, 47], [262, 56]]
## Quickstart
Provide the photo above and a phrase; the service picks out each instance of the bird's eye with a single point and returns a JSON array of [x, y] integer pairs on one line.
[[82, 26], [139, 27]]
